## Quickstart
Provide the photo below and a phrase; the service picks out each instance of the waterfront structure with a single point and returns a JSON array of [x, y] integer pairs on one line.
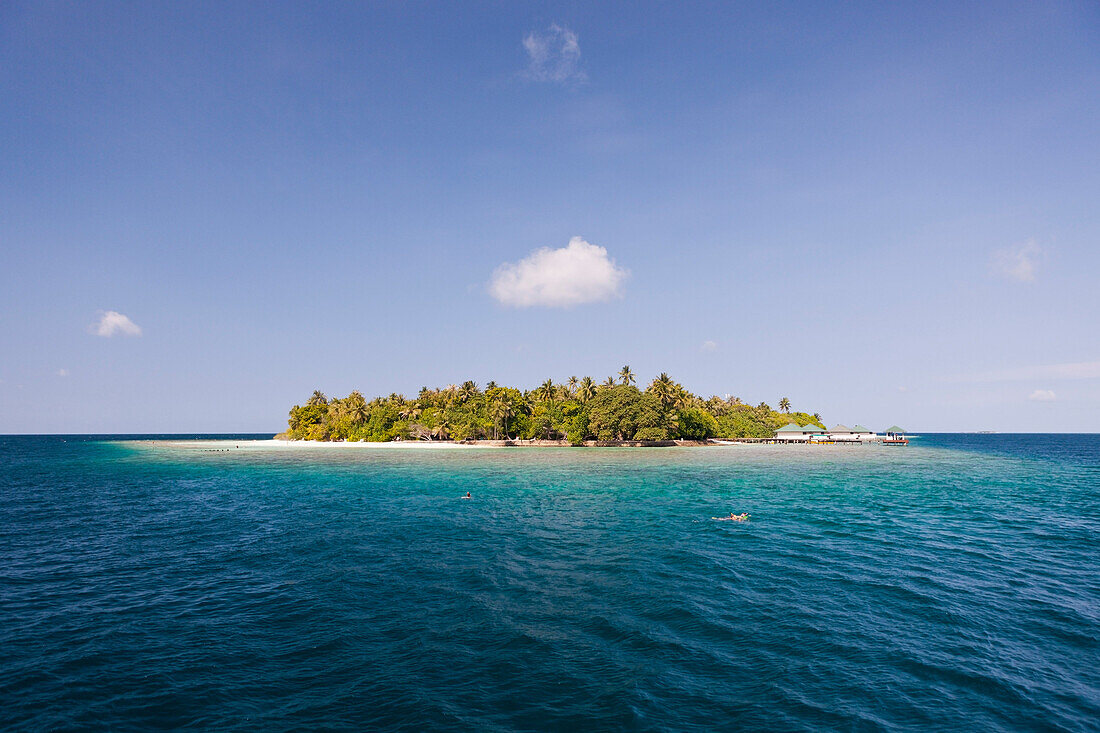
[[843, 434], [792, 433], [895, 436], [863, 434]]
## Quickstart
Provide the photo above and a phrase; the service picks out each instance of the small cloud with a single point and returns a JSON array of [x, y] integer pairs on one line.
[[553, 55], [559, 278], [112, 322], [709, 345], [62, 372], [1018, 263], [1042, 395]]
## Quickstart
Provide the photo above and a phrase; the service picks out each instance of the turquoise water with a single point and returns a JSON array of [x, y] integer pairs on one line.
[[953, 584]]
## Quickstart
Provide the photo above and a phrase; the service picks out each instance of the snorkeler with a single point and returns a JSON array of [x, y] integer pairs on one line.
[[742, 517]]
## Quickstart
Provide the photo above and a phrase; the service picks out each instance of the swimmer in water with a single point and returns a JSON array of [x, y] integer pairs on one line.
[[742, 517], [467, 496]]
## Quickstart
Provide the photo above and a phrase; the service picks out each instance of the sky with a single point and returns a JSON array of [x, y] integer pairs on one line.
[[887, 212]]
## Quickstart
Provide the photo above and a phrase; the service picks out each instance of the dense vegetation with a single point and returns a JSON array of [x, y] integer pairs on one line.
[[576, 411]]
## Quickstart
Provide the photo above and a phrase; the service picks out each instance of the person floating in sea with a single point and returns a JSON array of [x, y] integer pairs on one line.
[[742, 517], [467, 496]]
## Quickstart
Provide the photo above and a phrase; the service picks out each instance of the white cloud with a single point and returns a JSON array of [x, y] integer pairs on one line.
[[709, 345], [112, 322], [1019, 262], [1042, 395], [62, 372], [559, 278], [553, 55]]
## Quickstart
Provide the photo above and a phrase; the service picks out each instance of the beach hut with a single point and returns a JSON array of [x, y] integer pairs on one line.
[[842, 433], [792, 433], [862, 433]]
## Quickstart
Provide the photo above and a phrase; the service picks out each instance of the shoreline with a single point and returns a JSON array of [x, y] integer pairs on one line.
[[224, 444], [432, 444]]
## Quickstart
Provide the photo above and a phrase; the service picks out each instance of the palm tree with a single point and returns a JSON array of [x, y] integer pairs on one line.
[[665, 390], [546, 392], [500, 411], [587, 390], [357, 408], [609, 382], [468, 391], [716, 406], [626, 376], [317, 398], [785, 405], [441, 431], [490, 385], [410, 412]]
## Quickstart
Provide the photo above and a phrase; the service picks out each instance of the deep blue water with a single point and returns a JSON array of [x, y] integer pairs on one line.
[[950, 585]]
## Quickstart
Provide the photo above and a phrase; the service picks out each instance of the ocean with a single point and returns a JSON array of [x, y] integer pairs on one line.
[[215, 583]]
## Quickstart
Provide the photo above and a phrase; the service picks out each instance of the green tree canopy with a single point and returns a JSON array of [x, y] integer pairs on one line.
[[577, 411], [620, 412]]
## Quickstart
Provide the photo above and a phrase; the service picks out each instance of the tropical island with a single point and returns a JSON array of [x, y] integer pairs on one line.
[[577, 412]]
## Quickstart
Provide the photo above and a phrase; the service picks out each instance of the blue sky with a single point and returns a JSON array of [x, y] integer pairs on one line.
[[888, 213]]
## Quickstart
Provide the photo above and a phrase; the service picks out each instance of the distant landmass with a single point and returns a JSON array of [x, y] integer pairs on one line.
[[577, 411]]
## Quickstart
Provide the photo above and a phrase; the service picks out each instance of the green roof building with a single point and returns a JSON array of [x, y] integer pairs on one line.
[[794, 432]]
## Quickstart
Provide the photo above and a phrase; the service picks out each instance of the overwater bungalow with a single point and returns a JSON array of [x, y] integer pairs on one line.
[[792, 433], [864, 434], [843, 434]]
